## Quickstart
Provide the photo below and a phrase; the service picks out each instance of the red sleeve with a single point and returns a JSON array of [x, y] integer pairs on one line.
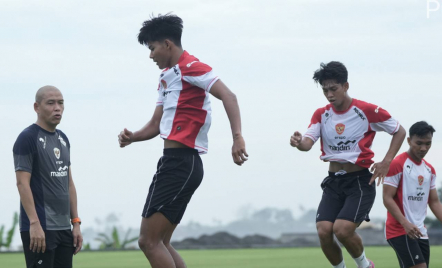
[[316, 118], [374, 113], [397, 165]]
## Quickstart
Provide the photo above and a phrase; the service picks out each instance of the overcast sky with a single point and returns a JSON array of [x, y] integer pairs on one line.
[[265, 51]]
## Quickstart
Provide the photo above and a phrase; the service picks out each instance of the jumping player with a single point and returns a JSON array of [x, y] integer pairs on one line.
[[182, 117], [47, 192], [409, 186], [347, 128]]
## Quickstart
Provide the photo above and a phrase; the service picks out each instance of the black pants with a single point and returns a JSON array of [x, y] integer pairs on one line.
[[59, 250]]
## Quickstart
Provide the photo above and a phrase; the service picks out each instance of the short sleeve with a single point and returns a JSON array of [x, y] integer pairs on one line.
[[160, 97], [24, 151], [394, 174], [433, 181], [433, 178], [314, 129], [64, 141], [199, 74], [381, 120]]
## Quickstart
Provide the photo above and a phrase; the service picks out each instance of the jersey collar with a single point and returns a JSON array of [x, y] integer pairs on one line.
[[343, 112], [183, 56], [412, 160]]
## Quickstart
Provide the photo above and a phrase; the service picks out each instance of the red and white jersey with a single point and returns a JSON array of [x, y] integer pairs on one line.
[[183, 91], [346, 136], [413, 182]]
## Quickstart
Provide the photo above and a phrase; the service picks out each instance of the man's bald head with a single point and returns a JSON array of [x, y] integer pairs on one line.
[[42, 92]]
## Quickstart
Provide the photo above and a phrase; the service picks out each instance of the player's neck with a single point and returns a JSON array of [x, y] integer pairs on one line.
[[176, 55], [344, 105], [414, 158], [45, 126]]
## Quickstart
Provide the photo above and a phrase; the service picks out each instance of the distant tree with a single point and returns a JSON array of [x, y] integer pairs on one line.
[[113, 241], [10, 234]]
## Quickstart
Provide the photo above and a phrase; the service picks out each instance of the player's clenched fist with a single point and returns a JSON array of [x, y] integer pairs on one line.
[[125, 138], [295, 139]]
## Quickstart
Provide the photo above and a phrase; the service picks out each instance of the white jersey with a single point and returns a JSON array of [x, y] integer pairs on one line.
[[413, 182], [183, 91], [346, 136]]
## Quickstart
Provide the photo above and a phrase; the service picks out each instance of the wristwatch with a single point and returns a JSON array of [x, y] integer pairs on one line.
[[75, 220]]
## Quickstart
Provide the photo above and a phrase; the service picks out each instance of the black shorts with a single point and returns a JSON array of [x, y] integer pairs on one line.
[[410, 252], [179, 173], [346, 197], [59, 250]]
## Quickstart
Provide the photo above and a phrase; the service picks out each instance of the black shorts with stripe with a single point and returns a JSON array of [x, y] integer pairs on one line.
[[410, 252], [179, 173], [346, 197]]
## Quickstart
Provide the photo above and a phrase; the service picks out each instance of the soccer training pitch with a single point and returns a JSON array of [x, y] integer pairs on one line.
[[384, 257]]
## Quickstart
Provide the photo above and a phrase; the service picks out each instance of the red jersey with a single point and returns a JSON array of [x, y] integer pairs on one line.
[[183, 91], [347, 136], [413, 182]]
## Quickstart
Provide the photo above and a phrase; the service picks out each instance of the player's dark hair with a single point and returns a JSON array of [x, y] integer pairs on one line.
[[163, 27], [333, 70], [421, 129]]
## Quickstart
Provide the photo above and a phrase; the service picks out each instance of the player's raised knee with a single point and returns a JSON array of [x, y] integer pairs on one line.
[[325, 230], [147, 245], [342, 232]]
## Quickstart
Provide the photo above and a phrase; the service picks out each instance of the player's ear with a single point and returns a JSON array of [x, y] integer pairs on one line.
[[168, 44], [346, 86], [36, 107], [409, 141]]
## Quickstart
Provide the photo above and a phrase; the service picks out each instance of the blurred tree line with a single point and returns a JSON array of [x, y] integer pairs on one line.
[[5, 242]]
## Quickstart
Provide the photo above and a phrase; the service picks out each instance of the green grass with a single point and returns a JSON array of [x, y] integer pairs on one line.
[[384, 257]]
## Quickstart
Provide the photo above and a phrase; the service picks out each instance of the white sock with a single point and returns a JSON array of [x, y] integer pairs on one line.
[[362, 261], [341, 265]]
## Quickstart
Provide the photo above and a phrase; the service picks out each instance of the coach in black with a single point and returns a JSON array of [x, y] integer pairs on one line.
[[47, 192]]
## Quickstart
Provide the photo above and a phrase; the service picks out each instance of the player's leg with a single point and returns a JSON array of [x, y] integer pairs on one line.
[[64, 252], [179, 174], [408, 252], [424, 245], [359, 199], [153, 232], [34, 259], [179, 262], [329, 245], [328, 209], [345, 232]]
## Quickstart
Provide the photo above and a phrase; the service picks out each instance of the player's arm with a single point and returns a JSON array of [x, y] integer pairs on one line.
[[302, 143], [434, 204], [230, 102], [380, 169], [388, 194], [76, 232], [149, 131], [36, 233]]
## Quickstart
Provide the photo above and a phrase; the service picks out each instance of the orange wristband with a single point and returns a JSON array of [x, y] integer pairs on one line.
[[75, 220]]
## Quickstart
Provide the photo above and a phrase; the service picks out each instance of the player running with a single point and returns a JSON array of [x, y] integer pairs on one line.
[[409, 186], [48, 198], [347, 128], [182, 117]]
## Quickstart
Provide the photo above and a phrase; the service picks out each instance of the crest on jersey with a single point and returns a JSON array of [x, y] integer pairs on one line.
[[340, 128], [420, 179], [164, 84], [57, 152]]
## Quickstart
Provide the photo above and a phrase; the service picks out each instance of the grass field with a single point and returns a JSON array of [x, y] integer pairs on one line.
[[384, 257]]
